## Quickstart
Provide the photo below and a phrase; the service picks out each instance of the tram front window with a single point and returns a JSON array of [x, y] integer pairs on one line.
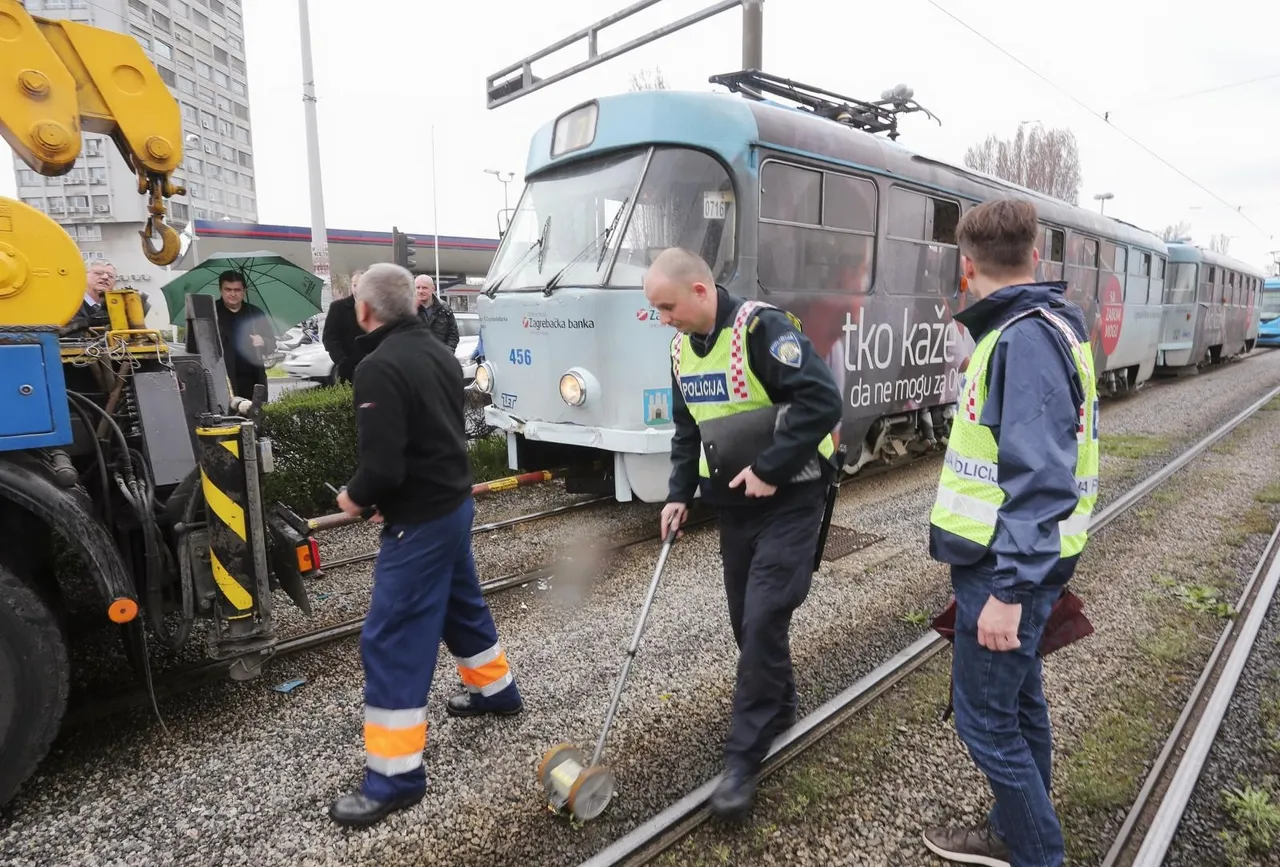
[[1270, 305], [563, 219]]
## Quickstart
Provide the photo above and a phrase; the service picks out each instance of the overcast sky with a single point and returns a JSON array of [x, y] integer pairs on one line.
[[387, 70]]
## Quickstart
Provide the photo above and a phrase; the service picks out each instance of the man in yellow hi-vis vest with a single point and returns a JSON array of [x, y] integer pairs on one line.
[[733, 360], [1014, 500]]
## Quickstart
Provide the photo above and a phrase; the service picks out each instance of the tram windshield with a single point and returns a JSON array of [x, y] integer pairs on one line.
[[572, 220], [1270, 307]]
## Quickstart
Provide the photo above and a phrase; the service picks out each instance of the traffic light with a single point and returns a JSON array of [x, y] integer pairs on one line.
[[401, 249]]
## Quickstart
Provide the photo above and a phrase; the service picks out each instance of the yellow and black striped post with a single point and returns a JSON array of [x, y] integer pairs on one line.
[[235, 528]]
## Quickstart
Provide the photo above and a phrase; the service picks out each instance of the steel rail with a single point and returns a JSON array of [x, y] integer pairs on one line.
[[479, 529], [660, 832], [1198, 724]]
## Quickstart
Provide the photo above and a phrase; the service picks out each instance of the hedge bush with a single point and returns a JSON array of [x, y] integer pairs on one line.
[[313, 437]]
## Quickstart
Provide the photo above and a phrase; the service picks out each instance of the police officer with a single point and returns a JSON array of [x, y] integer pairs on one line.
[[413, 469], [734, 356], [1018, 486]]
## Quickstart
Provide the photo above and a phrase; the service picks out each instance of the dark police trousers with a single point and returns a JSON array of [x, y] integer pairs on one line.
[[424, 589], [767, 546], [1002, 717]]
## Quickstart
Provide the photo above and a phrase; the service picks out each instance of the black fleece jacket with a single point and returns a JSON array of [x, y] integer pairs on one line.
[[408, 389]]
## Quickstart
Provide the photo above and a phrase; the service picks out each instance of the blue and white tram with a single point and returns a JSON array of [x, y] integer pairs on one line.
[[1208, 307], [848, 230]]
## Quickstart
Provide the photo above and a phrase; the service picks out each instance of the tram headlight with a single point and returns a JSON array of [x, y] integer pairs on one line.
[[573, 388], [484, 378]]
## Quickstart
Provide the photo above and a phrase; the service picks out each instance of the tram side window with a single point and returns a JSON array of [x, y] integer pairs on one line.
[[1157, 280], [1182, 288], [1209, 278], [1082, 268], [920, 256], [1138, 287], [817, 230], [1113, 263], [1053, 246]]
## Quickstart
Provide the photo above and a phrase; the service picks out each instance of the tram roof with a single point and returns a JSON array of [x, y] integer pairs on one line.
[[730, 125], [1182, 252]]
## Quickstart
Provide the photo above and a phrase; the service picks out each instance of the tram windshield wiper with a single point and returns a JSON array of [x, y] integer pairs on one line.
[[602, 239], [539, 245]]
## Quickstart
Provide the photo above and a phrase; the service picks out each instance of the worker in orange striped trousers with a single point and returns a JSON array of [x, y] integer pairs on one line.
[[424, 589], [414, 477]]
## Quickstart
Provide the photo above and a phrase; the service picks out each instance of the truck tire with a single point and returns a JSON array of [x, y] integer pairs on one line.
[[34, 682]]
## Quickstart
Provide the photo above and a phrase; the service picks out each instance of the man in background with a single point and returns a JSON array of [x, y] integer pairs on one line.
[[341, 332], [439, 318], [101, 279], [247, 335]]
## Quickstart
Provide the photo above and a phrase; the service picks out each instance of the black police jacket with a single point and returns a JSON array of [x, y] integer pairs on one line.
[[807, 385]]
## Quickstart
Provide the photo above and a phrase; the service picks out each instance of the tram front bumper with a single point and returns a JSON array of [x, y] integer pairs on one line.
[[643, 442]]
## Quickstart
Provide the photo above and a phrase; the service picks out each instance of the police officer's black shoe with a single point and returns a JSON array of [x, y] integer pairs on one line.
[[471, 704], [360, 810], [733, 797]]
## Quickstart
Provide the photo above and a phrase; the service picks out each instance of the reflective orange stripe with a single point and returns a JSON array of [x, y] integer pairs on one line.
[[392, 743], [483, 675]]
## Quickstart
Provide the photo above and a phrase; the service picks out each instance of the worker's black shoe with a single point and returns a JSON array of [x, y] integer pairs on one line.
[[473, 704], [733, 797], [360, 810]]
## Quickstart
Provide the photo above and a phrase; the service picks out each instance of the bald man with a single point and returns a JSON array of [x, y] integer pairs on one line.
[[770, 510]]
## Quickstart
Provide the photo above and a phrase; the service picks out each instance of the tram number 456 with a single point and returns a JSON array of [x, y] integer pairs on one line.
[[520, 356]]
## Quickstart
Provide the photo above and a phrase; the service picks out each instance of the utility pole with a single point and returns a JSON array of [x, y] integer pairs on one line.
[[435, 205], [1102, 199], [319, 237]]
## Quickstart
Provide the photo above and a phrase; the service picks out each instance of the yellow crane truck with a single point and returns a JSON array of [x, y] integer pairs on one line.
[[130, 475]]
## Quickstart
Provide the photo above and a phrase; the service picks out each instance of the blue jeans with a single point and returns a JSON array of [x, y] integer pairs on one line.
[[1002, 717]]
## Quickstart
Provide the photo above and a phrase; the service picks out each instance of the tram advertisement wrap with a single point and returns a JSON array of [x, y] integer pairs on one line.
[[888, 354]]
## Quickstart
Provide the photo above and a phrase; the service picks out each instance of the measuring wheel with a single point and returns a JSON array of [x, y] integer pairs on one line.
[[558, 771], [591, 793]]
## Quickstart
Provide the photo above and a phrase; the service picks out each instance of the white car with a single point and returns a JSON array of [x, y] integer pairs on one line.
[[468, 342], [311, 361]]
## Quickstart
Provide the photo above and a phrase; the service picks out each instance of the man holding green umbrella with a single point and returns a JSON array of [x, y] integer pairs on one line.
[[275, 295], [247, 335]]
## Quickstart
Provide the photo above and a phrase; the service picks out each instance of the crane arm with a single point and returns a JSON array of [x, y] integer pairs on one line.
[[59, 78]]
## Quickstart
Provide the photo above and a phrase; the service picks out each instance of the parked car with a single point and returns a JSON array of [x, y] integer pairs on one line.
[[468, 342], [310, 360]]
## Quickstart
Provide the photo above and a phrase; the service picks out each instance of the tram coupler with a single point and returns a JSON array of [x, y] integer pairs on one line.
[[237, 540]]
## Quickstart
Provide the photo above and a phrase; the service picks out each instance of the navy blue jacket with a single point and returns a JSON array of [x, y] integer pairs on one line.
[[1033, 402], [807, 384]]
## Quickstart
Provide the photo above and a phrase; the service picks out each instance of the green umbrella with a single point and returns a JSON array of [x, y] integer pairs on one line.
[[273, 284]]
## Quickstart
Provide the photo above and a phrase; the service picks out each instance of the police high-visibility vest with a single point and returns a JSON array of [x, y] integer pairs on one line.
[[723, 383], [969, 494]]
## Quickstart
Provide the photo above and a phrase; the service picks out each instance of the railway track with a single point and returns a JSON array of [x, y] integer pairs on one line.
[[667, 828], [93, 706], [96, 704], [1152, 821]]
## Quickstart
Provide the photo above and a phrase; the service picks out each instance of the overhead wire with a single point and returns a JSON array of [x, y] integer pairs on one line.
[[1234, 208]]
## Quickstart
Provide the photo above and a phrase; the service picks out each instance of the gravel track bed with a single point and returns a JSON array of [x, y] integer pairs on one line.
[[864, 796], [1246, 755], [276, 759]]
